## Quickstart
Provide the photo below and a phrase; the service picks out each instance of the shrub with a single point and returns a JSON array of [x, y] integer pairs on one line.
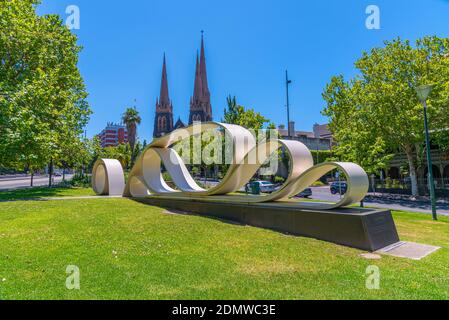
[[80, 181], [279, 179]]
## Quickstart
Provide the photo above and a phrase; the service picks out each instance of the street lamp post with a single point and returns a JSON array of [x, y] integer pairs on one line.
[[287, 84], [423, 93]]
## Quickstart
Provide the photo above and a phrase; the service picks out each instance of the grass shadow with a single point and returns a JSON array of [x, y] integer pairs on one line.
[[188, 213], [40, 193]]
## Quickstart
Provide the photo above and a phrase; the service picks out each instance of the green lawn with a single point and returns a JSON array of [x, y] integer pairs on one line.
[[127, 250], [44, 192]]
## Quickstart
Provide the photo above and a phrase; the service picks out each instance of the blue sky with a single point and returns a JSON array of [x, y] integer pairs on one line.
[[249, 45]]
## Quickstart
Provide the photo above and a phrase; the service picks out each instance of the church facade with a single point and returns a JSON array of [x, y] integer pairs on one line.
[[200, 105]]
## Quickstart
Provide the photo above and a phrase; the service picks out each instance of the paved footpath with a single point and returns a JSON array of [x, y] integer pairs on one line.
[[64, 198], [411, 207], [81, 198], [19, 182]]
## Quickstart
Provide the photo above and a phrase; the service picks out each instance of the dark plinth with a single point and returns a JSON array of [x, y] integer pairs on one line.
[[365, 229]]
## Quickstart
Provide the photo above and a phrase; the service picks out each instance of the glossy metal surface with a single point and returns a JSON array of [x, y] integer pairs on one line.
[[108, 177], [146, 178]]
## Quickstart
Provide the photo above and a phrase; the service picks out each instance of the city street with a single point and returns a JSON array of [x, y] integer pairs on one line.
[[319, 193], [323, 194], [22, 181]]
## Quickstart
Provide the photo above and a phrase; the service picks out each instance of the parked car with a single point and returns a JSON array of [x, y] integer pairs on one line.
[[307, 193], [339, 187], [264, 186]]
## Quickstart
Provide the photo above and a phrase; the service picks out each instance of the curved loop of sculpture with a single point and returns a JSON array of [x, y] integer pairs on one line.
[[108, 177], [146, 179]]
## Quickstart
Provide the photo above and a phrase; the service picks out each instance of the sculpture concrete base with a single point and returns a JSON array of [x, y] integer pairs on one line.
[[365, 229]]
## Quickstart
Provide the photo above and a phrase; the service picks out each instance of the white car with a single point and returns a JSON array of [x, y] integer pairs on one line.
[[266, 186]]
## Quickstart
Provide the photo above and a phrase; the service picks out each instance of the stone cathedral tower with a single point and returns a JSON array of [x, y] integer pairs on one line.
[[200, 106], [163, 121]]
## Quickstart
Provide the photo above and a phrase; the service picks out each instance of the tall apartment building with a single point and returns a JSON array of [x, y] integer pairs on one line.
[[113, 135]]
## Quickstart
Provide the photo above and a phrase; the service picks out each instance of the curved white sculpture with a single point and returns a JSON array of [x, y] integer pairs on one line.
[[108, 177], [146, 179]]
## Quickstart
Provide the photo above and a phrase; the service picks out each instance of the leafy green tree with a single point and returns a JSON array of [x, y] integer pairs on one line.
[[95, 152], [136, 152], [247, 118], [231, 114], [121, 152], [377, 113], [43, 106], [76, 156]]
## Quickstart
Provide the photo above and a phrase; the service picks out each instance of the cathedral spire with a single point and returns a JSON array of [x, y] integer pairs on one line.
[[200, 106], [198, 88], [164, 97], [203, 71], [163, 120]]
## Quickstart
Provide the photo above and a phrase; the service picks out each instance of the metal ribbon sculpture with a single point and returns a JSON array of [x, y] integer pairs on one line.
[[145, 179]]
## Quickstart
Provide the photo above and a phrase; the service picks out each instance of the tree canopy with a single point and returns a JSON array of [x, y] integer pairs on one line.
[[377, 113], [247, 118], [43, 107]]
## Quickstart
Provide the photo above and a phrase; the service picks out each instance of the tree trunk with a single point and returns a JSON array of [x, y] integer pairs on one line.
[[132, 132], [133, 156], [32, 179], [413, 172], [63, 174], [50, 173]]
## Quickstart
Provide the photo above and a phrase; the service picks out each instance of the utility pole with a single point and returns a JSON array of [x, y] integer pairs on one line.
[[287, 84]]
